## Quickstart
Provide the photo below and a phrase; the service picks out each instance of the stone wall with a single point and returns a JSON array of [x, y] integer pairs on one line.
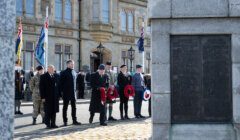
[[185, 17], [7, 49]]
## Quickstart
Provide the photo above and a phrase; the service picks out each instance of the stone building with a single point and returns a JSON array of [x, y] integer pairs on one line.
[[114, 23], [63, 39]]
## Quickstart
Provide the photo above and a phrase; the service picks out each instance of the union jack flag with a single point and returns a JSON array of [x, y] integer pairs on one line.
[[140, 42]]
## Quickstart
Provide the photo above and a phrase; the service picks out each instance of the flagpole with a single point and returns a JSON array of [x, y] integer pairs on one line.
[[46, 38], [143, 60]]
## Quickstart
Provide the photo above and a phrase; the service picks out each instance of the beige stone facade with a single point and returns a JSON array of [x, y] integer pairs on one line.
[[64, 36], [111, 36]]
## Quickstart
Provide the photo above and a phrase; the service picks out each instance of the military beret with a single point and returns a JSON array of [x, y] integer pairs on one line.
[[108, 63], [39, 67], [123, 66], [138, 66], [101, 67]]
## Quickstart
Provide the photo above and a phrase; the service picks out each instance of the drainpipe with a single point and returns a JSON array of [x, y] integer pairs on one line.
[[79, 34]]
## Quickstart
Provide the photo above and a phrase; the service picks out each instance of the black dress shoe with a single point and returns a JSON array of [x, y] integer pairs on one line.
[[48, 127], [112, 119], [16, 112], [137, 117], [126, 117], [76, 123], [142, 116], [54, 126], [122, 118], [65, 124], [103, 124], [90, 120], [19, 112]]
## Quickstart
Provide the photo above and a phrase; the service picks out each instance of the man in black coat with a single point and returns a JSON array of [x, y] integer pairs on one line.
[[49, 90], [98, 79], [80, 84], [68, 90]]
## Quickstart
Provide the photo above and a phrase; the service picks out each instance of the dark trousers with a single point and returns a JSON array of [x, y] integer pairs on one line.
[[125, 105], [50, 119], [149, 107], [137, 101], [81, 92], [102, 117], [65, 107]]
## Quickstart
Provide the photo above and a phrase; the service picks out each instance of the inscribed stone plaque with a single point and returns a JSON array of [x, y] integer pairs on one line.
[[201, 78]]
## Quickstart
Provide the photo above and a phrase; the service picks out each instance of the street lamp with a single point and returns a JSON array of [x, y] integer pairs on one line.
[[131, 52], [148, 57], [100, 49]]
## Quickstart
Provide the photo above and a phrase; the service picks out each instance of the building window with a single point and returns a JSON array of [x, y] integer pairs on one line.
[[30, 8], [67, 54], [58, 57], [68, 11], [101, 7], [130, 22], [123, 21], [19, 7], [105, 11], [28, 60], [125, 58], [58, 10], [95, 10]]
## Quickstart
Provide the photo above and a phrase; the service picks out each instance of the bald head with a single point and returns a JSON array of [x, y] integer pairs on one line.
[[50, 69]]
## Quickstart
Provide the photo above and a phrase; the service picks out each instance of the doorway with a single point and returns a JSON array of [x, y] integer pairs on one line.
[[95, 61]]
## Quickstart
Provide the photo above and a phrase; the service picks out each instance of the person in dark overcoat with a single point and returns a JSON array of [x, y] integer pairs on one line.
[[80, 84], [50, 94], [98, 79], [123, 80], [19, 88], [68, 89]]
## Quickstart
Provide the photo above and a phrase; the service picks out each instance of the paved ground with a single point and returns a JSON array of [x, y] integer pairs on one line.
[[137, 129]]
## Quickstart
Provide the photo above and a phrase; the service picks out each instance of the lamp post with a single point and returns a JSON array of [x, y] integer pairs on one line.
[[148, 59], [131, 53], [100, 49]]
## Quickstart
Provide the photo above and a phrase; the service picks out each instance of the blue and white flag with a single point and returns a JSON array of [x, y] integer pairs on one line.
[[40, 51], [140, 42], [42, 45]]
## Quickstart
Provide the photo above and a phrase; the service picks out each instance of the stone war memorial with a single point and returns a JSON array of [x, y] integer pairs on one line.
[[7, 50], [196, 69]]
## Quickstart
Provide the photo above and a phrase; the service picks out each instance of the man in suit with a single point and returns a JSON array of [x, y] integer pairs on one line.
[[138, 84], [49, 91], [68, 90]]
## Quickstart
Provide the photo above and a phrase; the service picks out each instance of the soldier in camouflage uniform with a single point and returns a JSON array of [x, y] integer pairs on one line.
[[112, 79], [37, 102]]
